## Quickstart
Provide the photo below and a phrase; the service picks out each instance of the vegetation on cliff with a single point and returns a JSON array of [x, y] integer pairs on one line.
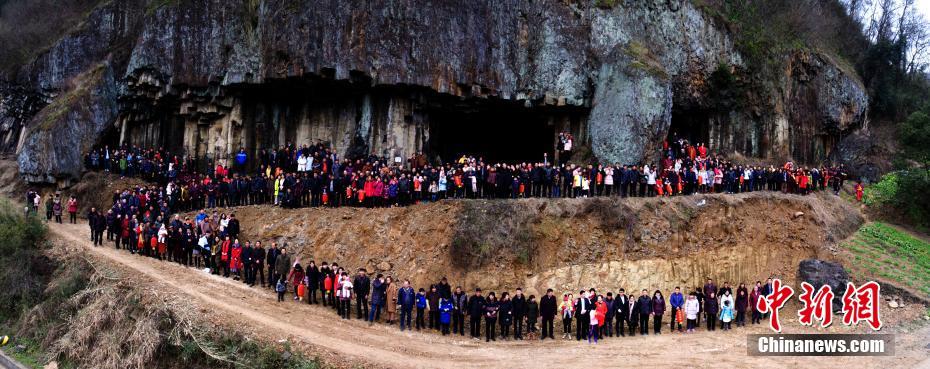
[[905, 193]]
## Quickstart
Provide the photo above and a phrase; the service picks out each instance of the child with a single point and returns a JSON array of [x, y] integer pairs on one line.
[[692, 309], [567, 309], [422, 304], [280, 288], [327, 289], [301, 290], [592, 330], [445, 315], [726, 315]]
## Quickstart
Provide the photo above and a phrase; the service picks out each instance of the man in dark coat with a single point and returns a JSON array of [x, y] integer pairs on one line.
[[282, 264], [622, 311], [519, 312], [313, 282], [248, 263], [547, 309], [475, 312], [271, 258], [644, 308], [362, 285], [583, 308], [258, 255]]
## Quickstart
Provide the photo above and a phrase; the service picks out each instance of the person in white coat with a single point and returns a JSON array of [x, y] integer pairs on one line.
[[692, 309]]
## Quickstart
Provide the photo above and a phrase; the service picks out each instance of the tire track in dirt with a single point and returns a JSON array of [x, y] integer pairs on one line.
[[256, 311]]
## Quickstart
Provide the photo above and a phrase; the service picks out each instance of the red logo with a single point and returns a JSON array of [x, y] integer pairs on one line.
[[819, 305], [861, 304], [774, 302]]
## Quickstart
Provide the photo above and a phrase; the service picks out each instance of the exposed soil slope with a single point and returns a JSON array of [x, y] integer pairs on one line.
[[568, 243]]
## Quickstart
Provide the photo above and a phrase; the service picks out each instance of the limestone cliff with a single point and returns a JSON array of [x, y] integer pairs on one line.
[[385, 77]]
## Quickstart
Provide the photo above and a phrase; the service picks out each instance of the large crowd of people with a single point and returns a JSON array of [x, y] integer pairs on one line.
[[314, 175], [212, 242], [146, 221]]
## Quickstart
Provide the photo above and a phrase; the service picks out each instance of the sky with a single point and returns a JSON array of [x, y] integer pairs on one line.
[[924, 6]]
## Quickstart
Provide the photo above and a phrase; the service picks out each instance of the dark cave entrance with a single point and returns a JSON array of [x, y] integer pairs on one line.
[[499, 132], [691, 124]]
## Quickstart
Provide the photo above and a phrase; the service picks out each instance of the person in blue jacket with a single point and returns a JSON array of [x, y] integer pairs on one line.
[[241, 159], [445, 314], [406, 299], [677, 300], [422, 305]]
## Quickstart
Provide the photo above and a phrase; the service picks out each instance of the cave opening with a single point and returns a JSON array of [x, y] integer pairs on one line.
[[498, 131], [691, 124]]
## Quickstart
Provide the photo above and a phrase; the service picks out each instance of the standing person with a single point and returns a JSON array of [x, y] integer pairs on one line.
[[582, 315], [547, 310], [281, 289], [445, 314], [658, 310], [422, 306], [362, 285], [692, 309], [726, 315], [56, 208], [491, 308], [406, 299], [345, 296], [378, 287], [677, 301], [270, 259], [100, 224], [505, 315], [753, 301], [742, 303], [711, 309], [296, 278], [391, 291], [606, 325], [519, 313], [622, 309], [592, 326], [475, 312], [313, 282], [532, 313], [258, 265], [644, 310], [459, 306], [325, 272], [72, 209], [859, 191], [282, 264], [432, 297], [567, 310]]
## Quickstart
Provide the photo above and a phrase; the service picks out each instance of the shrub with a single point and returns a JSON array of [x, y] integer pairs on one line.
[[25, 270]]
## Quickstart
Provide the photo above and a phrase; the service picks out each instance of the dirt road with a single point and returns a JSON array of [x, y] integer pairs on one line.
[[256, 313]]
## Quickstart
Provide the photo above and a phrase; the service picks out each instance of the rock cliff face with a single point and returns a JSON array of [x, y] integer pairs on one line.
[[208, 77]]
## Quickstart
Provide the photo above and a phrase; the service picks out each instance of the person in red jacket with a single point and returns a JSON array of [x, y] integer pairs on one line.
[[72, 209], [859, 191], [296, 277], [235, 260], [224, 256], [153, 245]]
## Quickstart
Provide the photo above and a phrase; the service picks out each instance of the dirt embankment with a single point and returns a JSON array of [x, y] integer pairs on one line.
[[568, 244]]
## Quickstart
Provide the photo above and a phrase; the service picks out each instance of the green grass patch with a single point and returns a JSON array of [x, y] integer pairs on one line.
[[887, 252]]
